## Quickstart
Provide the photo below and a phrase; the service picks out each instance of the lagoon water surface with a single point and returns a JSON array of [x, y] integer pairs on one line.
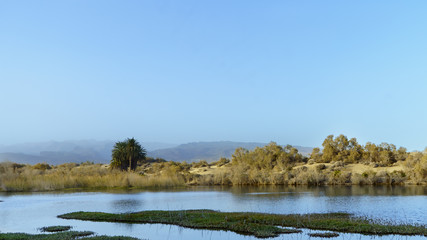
[[26, 212]]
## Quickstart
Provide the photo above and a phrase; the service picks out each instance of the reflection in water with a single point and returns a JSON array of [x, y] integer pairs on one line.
[[128, 227], [27, 212], [354, 190], [397, 204], [335, 190], [126, 205]]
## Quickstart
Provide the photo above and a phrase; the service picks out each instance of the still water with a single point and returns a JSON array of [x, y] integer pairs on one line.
[[28, 212]]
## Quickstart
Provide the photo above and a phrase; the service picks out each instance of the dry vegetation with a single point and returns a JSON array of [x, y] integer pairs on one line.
[[342, 162], [43, 177], [16, 177]]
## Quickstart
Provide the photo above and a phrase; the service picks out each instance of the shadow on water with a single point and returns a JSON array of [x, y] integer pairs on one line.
[[126, 205]]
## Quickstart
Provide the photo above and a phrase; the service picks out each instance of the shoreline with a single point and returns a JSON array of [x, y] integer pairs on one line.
[[166, 175]]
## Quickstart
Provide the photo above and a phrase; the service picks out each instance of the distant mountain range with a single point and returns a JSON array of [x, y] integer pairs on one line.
[[100, 151], [209, 151], [55, 152]]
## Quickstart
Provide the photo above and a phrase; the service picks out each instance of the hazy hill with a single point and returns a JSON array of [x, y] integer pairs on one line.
[[209, 151], [100, 151], [55, 152], [20, 158]]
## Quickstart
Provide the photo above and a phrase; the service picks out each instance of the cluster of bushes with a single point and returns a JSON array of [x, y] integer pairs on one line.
[[274, 164], [302, 175], [341, 148]]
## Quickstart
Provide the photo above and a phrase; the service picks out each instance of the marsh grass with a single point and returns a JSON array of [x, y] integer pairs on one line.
[[55, 228], [68, 176], [257, 224], [324, 235], [60, 233], [61, 236]]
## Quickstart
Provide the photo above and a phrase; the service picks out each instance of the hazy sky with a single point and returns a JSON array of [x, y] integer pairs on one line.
[[180, 71]]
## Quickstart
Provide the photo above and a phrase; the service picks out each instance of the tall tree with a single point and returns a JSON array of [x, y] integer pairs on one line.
[[126, 154], [316, 155], [341, 149], [329, 149]]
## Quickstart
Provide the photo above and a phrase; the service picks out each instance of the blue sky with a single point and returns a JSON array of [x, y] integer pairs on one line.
[[182, 71]]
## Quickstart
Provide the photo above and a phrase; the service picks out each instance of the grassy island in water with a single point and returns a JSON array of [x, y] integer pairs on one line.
[[60, 236], [257, 224]]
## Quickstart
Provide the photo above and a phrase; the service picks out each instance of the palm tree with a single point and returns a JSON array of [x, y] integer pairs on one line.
[[126, 154]]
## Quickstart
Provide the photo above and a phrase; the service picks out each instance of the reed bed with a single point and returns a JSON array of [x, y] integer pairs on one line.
[[26, 178]]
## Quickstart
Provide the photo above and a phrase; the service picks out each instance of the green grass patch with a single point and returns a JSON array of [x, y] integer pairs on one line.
[[55, 228], [257, 224], [60, 236], [324, 235]]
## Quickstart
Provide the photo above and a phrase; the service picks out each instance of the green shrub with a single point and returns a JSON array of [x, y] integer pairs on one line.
[[42, 166]]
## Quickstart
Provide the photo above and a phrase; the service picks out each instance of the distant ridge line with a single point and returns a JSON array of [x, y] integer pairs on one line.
[[56, 152]]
